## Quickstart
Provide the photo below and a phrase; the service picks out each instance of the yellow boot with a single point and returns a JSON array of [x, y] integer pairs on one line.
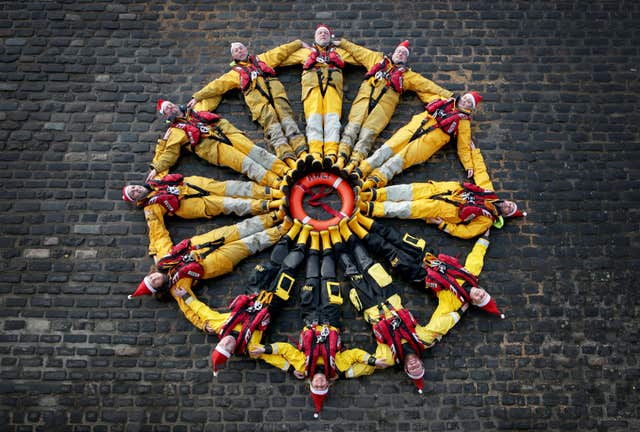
[[334, 232], [276, 204], [345, 232], [357, 229], [364, 221], [294, 230]]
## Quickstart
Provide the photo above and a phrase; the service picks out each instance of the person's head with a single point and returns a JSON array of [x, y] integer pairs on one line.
[[133, 193], [401, 53], [223, 351], [319, 382], [478, 295], [508, 209], [319, 387], [157, 280], [469, 101], [414, 369], [168, 109], [322, 35], [239, 52], [413, 366], [482, 299], [154, 283]]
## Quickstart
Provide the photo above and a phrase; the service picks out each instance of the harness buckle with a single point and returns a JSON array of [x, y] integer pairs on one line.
[[438, 113], [203, 128], [187, 258], [380, 75], [469, 197], [254, 75], [257, 305], [324, 334], [173, 190], [438, 265]]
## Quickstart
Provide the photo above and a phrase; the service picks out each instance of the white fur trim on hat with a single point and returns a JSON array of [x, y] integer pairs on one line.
[[473, 100], [163, 105], [223, 351], [485, 302], [317, 391], [415, 376], [147, 283], [126, 194]]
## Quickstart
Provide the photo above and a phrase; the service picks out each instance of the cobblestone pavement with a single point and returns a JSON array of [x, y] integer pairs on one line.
[[558, 128]]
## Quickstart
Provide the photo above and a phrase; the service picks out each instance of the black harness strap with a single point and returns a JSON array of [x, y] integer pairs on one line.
[[201, 192], [323, 90], [422, 131], [212, 246], [267, 94], [222, 138], [373, 102]]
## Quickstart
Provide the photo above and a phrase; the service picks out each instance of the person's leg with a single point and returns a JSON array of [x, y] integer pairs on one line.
[[260, 155], [220, 154], [313, 111], [331, 119], [376, 121]]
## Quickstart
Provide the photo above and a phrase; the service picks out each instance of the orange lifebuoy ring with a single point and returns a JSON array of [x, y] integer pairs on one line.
[[304, 185]]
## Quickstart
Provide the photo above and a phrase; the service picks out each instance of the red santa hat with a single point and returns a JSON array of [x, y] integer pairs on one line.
[[145, 288], [125, 195], [404, 44], [325, 26], [489, 305], [475, 97], [318, 397], [219, 356], [162, 104], [418, 380]]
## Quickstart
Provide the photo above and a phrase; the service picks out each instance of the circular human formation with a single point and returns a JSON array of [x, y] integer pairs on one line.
[[289, 201]]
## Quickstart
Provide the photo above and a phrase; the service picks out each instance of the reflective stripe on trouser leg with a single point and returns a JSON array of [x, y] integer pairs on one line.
[[331, 133], [388, 170], [245, 189], [244, 206], [349, 136], [297, 141], [364, 144], [313, 106], [262, 240], [254, 225], [279, 142], [268, 160], [390, 209], [332, 109], [379, 157], [395, 193], [315, 134], [251, 169]]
